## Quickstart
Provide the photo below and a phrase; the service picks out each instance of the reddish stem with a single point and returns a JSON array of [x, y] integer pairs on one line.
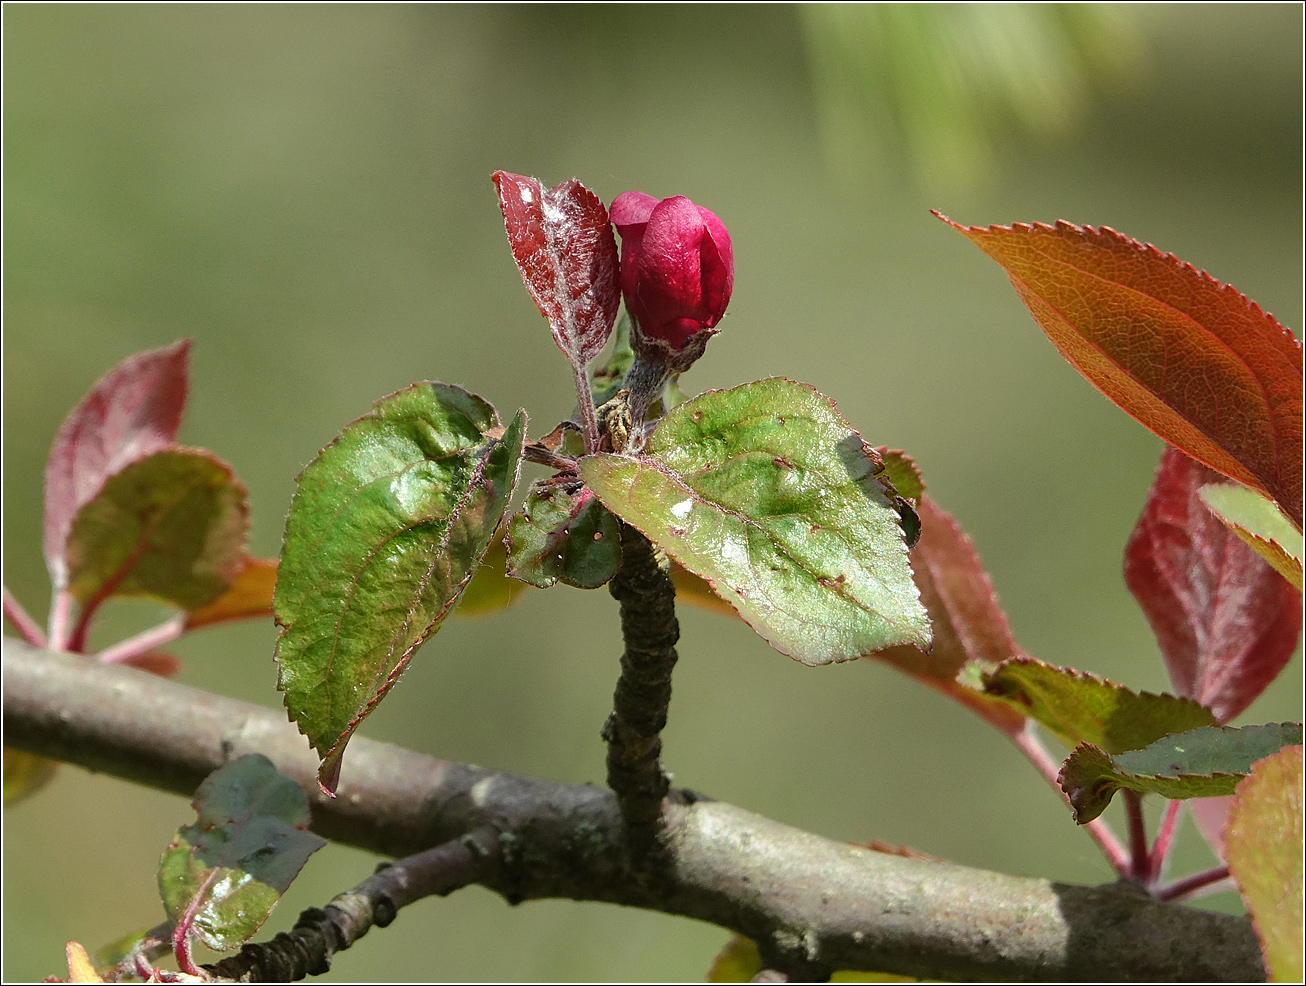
[[181, 931], [61, 611], [144, 641], [589, 424], [1140, 861], [1160, 854], [27, 627], [1197, 885], [1028, 743]]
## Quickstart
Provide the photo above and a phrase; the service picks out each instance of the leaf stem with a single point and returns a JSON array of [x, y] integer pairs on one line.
[[589, 424], [1140, 861], [639, 704], [1164, 842], [1212, 881], [27, 627], [145, 641], [320, 933], [61, 611], [1028, 742]]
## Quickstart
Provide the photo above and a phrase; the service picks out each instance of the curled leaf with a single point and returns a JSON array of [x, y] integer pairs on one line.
[[388, 525]]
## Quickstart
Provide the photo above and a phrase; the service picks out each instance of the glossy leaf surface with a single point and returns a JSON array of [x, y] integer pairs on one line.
[[567, 254], [134, 410], [1078, 707], [1225, 620], [1261, 525], [1188, 357], [171, 526], [969, 625], [248, 596], [1200, 763], [1264, 845], [222, 875], [563, 536], [768, 494], [388, 525]]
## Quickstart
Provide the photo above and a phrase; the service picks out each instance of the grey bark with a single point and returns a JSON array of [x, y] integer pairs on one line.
[[813, 904]]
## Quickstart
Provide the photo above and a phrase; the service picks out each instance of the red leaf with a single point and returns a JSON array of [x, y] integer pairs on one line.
[[155, 662], [133, 411], [1226, 621], [968, 622], [1188, 357], [564, 247]]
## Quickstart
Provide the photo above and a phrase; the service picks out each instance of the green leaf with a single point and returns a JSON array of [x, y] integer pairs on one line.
[[490, 589], [388, 525], [222, 876], [1200, 763], [1078, 707], [171, 526], [901, 470], [25, 774], [1263, 842], [737, 962], [1261, 524], [768, 494], [566, 535]]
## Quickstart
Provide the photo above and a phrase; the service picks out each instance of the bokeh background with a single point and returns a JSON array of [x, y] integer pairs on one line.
[[304, 192]]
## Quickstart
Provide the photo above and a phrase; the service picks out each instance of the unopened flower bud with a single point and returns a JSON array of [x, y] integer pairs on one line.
[[677, 271]]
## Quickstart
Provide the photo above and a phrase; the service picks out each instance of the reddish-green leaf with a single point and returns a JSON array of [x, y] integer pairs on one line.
[[566, 252], [766, 492], [563, 534], [1200, 763], [1226, 621], [1188, 357], [1261, 524], [171, 526], [134, 410], [222, 875], [1264, 844], [1079, 707], [387, 527], [968, 623], [249, 595]]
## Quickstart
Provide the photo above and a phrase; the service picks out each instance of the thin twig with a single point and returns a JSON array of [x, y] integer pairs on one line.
[[22, 622], [145, 641], [1212, 881], [1161, 846], [639, 704], [1028, 742], [1139, 858], [307, 949]]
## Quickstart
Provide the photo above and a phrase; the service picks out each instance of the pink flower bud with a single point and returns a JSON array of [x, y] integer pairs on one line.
[[677, 271]]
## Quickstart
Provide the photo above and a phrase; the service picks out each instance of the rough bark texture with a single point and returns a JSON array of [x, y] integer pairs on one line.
[[813, 904], [639, 705]]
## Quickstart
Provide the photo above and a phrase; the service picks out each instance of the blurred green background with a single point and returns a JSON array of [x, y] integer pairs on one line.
[[305, 192]]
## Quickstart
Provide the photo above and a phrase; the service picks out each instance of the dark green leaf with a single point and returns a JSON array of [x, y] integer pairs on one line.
[[222, 876], [1200, 763], [563, 535], [171, 526], [1263, 842], [766, 492], [1082, 708], [388, 525]]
